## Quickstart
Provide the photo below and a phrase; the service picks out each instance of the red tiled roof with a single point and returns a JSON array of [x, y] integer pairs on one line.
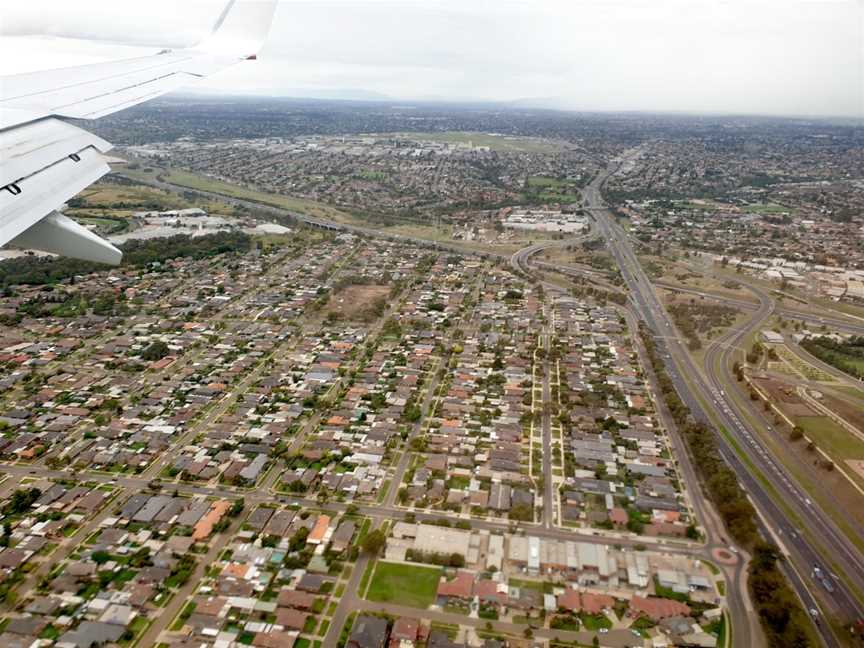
[[570, 600], [295, 599], [596, 603], [319, 530], [291, 619], [618, 516], [459, 587], [404, 628], [657, 608], [488, 590]]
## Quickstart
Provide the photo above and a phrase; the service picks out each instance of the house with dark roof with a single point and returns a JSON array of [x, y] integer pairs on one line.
[[369, 632]]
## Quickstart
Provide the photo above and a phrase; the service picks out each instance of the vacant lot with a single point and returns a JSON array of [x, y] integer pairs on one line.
[[362, 303], [404, 584], [783, 395], [804, 369]]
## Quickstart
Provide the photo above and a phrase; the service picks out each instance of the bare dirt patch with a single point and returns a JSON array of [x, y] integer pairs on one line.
[[358, 302], [784, 396]]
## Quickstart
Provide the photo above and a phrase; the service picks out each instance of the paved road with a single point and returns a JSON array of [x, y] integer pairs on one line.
[[745, 624], [167, 614], [548, 483], [717, 364], [350, 602], [809, 358], [379, 511], [650, 309], [639, 287], [746, 628], [846, 325]]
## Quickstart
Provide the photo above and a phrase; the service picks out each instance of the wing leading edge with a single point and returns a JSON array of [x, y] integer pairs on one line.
[[44, 161]]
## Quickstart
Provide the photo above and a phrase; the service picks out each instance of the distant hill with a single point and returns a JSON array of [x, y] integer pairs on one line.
[[342, 94], [334, 94]]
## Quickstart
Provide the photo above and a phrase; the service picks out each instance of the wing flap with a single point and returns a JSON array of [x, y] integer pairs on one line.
[[45, 161], [61, 235], [33, 147], [26, 202]]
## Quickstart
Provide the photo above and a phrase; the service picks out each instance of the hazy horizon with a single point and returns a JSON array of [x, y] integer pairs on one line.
[[796, 58]]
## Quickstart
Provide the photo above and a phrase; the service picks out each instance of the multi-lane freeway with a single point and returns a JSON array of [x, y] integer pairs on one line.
[[806, 536], [745, 625], [763, 477]]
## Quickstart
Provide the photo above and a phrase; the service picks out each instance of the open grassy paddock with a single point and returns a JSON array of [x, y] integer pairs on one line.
[[202, 183], [409, 585], [493, 141]]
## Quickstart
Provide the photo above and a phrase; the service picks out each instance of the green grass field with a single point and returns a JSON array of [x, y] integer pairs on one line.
[[833, 439], [546, 181], [404, 584], [850, 391], [708, 206], [560, 197], [494, 142], [768, 209], [554, 190], [201, 183]]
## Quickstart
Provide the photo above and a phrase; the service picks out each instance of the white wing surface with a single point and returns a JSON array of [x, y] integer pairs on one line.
[[44, 160]]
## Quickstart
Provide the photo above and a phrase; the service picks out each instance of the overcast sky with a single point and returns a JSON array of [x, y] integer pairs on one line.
[[801, 57]]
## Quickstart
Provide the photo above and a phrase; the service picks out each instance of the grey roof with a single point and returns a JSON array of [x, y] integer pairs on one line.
[[133, 505], [194, 513], [369, 632], [344, 533], [252, 471], [89, 634], [147, 512]]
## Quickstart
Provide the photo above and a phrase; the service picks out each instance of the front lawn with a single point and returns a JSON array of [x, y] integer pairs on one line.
[[404, 584], [593, 622]]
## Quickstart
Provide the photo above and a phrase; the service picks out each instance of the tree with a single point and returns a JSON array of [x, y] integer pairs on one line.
[[22, 500], [100, 557], [156, 351], [237, 507], [521, 512], [374, 542]]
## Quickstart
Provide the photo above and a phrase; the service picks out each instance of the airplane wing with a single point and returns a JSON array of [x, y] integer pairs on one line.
[[45, 160]]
